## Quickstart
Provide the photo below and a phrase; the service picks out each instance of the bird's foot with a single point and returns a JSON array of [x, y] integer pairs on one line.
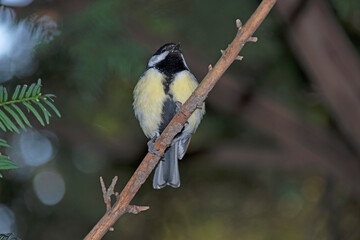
[[151, 145], [178, 106], [178, 109]]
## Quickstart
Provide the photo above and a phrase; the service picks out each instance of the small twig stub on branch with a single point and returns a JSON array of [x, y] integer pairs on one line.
[[107, 193], [239, 24], [252, 39], [136, 209]]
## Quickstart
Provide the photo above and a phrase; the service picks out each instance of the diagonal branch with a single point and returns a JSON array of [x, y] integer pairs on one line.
[[177, 123]]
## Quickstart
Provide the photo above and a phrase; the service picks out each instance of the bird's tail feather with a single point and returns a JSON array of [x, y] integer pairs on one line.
[[167, 171]]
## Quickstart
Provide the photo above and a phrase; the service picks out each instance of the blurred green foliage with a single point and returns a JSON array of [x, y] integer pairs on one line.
[[100, 47]]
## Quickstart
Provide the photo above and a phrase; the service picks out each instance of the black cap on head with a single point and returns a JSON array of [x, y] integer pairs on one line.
[[168, 59], [171, 47]]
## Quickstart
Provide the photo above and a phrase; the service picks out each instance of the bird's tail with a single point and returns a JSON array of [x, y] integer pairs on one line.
[[167, 171]]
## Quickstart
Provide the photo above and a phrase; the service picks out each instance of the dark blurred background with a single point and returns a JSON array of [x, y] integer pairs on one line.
[[276, 156]]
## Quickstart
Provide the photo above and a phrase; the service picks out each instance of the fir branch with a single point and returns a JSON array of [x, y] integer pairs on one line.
[[9, 236], [5, 162], [32, 99], [12, 117]]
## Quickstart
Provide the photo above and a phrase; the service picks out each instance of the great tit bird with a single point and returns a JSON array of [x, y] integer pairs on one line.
[[166, 84]]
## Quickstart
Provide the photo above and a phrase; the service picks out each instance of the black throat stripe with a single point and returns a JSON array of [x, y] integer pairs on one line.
[[168, 112], [171, 65], [166, 83]]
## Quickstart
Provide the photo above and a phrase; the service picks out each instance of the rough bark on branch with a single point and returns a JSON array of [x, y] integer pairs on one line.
[[177, 123]]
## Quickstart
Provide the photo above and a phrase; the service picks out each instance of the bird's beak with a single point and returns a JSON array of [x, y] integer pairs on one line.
[[177, 47]]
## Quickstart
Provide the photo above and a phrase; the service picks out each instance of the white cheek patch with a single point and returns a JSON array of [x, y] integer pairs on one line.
[[184, 61], [157, 58]]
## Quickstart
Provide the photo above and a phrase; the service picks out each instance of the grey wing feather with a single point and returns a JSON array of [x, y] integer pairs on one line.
[[183, 145]]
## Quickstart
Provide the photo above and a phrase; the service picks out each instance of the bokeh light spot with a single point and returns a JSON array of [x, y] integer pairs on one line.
[[49, 186], [36, 148], [18, 41], [5, 41], [87, 162], [7, 219], [16, 3]]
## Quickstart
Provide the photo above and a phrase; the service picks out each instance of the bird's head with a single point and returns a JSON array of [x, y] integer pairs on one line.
[[168, 58]]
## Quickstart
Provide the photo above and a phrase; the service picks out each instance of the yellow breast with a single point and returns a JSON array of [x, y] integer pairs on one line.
[[181, 88], [149, 96]]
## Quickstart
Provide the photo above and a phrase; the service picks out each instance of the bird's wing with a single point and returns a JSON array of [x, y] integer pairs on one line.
[[183, 145]]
